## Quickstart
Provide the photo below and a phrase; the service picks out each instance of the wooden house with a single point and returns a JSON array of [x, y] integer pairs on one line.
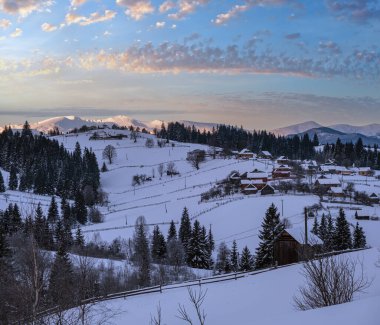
[[282, 160], [291, 246], [265, 155], [282, 171], [327, 183], [256, 177], [246, 154], [250, 189], [365, 171], [336, 192], [267, 190], [374, 198]]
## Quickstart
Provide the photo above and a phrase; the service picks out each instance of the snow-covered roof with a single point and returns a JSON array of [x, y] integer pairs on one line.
[[298, 234], [257, 175], [327, 181], [246, 151], [251, 187], [266, 153], [337, 190], [251, 181]]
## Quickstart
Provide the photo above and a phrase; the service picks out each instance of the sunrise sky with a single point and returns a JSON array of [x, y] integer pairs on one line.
[[262, 64]]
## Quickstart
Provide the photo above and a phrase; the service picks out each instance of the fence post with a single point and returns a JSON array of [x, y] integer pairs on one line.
[[199, 282]]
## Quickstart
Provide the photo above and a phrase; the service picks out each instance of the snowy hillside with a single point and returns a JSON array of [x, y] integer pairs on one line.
[[266, 298]]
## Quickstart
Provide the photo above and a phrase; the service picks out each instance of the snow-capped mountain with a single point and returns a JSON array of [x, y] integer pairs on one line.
[[68, 123], [296, 128], [368, 130]]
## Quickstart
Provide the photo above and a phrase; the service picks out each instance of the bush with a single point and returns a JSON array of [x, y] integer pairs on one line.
[[95, 216]]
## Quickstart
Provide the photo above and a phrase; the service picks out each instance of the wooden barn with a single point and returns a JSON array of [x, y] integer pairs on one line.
[[250, 189], [267, 190], [290, 246]]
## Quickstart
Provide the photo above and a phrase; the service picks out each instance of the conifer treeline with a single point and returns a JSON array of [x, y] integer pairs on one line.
[[296, 147], [41, 165], [233, 138]]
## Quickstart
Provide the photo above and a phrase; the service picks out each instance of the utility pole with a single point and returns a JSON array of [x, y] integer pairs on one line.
[[282, 208], [306, 239]]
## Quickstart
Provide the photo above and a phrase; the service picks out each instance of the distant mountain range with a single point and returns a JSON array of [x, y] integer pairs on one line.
[[68, 123], [370, 134]]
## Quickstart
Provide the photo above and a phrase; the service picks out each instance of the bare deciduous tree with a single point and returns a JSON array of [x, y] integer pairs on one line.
[[109, 153], [330, 281], [196, 300], [157, 320], [161, 169]]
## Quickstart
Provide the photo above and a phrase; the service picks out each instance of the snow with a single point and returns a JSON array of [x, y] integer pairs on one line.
[[265, 298]]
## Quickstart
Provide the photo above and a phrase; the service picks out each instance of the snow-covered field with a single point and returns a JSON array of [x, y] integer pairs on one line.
[[264, 299]]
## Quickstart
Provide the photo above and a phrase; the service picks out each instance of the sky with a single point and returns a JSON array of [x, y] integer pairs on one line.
[[258, 63]]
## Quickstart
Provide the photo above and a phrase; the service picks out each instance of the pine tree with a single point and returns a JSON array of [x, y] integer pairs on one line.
[[13, 181], [234, 257], [104, 168], [342, 234], [61, 282], [16, 221], [246, 263], [271, 229], [360, 240], [211, 242], [329, 240], [172, 233], [79, 239], [158, 249], [80, 209], [2, 185], [315, 229], [197, 255], [59, 234], [53, 214], [141, 254], [184, 232], [322, 230]]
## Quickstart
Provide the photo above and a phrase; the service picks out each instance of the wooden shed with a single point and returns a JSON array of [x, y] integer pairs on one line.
[[290, 246]]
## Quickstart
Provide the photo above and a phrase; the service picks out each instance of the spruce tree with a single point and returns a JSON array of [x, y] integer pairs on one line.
[[342, 235], [246, 263], [184, 232], [53, 214], [80, 209], [61, 282], [172, 233], [13, 180], [329, 240], [315, 229], [211, 242], [141, 255], [271, 229], [234, 257], [158, 249], [16, 221], [197, 255], [79, 239], [104, 168], [360, 240], [39, 225], [2, 185], [322, 230]]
